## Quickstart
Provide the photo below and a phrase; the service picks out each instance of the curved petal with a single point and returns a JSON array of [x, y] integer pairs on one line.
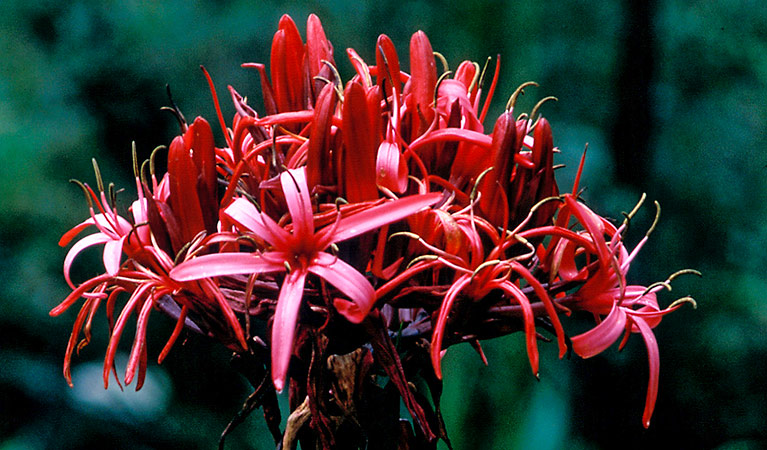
[[439, 328], [136, 297], [391, 169], [242, 212], [284, 325], [82, 244], [139, 342], [597, 339], [67, 237], [299, 204], [529, 321], [653, 357], [377, 216], [349, 281], [113, 251], [77, 293], [220, 264]]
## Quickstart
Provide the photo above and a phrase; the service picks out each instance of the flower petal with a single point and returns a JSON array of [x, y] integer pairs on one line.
[[596, 340], [439, 327], [299, 204], [391, 169], [113, 251], [349, 281], [242, 212], [284, 325], [220, 264], [653, 357], [82, 244], [377, 216]]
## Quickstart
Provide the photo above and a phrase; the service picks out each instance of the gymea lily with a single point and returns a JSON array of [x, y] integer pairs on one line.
[[300, 253]]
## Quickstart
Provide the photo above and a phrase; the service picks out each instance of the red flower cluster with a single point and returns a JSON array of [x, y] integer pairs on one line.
[[356, 212]]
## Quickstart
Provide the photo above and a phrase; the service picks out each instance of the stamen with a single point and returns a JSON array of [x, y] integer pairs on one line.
[[99, 180], [85, 191], [477, 181], [442, 59], [340, 201], [112, 196], [337, 82], [135, 160], [152, 166], [630, 215], [142, 171], [686, 299], [519, 91], [538, 106], [174, 109], [441, 78], [482, 73], [667, 283], [476, 76], [654, 222]]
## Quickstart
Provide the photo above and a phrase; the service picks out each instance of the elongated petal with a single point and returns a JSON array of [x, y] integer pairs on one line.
[[221, 264], [82, 244], [299, 204], [69, 235], [529, 321], [453, 134], [319, 158], [423, 70], [184, 199], [653, 357], [318, 48], [242, 212], [593, 225], [135, 298], [79, 292], [358, 172], [391, 170], [387, 63], [596, 340], [199, 138], [439, 327], [139, 342], [284, 326], [349, 281], [375, 217], [287, 66], [113, 250]]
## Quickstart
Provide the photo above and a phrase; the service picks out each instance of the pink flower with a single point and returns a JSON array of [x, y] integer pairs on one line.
[[300, 253]]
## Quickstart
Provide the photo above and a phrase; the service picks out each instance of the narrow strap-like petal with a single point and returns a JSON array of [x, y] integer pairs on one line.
[[653, 357], [221, 264], [377, 216], [299, 204], [349, 281], [82, 244], [439, 328], [284, 325], [596, 340], [242, 212], [113, 250]]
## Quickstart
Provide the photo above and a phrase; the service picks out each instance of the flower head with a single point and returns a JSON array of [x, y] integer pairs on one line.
[[354, 212]]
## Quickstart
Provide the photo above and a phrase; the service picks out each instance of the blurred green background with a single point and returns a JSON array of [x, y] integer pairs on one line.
[[670, 95]]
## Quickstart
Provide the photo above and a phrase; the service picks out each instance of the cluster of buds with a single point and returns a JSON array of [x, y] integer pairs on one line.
[[351, 216]]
